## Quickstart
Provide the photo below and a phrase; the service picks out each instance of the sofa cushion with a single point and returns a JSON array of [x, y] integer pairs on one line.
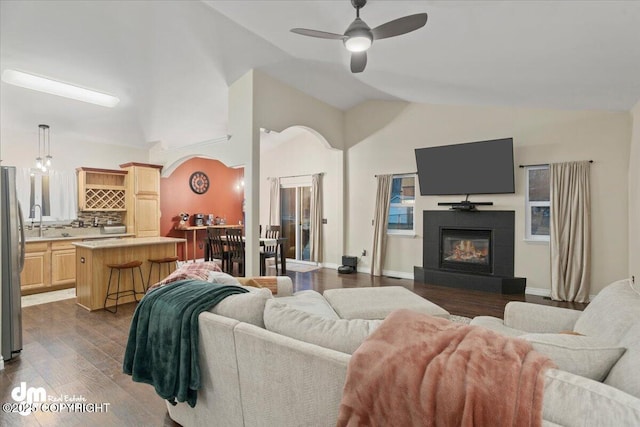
[[247, 307], [590, 357], [572, 400], [625, 375], [611, 312], [379, 302], [337, 334], [311, 302], [496, 325]]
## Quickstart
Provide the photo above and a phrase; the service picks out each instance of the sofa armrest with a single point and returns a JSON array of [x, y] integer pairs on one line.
[[571, 400], [539, 318], [283, 283], [285, 286]]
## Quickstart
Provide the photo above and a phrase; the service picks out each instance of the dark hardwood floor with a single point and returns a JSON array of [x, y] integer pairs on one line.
[[456, 301], [69, 351]]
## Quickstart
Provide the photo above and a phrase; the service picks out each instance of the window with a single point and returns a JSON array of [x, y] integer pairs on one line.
[[55, 193], [403, 198], [538, 203]]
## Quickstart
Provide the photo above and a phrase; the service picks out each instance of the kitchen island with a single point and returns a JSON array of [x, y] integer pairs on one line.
[[92, 273]]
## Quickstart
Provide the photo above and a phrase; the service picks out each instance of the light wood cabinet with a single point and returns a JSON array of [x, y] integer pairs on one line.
[[36, 273], [101, 189], [48, 266], [147, 216], [147, 180], [143, 199], [63, 263]]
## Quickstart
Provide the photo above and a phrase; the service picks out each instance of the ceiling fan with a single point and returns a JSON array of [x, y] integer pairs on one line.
[[358, 37]]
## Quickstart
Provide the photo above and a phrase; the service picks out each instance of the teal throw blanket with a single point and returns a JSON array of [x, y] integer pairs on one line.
[[162, 349]]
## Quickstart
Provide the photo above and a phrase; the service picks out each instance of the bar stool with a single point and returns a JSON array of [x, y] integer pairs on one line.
[[159, 262], [119, 267]]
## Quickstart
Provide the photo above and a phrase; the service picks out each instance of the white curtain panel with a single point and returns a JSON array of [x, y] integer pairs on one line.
[[63, 192], [570, 231], [383, 200], [316, 218], [274, 201]]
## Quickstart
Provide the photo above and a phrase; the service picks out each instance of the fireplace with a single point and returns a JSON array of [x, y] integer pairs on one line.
[[465, 250], [470, 250]]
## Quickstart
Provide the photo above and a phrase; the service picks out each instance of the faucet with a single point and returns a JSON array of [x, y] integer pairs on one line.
[[33, 212]]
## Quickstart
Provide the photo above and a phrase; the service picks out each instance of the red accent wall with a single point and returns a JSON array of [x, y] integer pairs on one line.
[[223, 199]]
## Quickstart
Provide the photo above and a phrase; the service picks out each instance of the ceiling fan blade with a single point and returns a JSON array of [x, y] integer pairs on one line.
[[358, 62], [399, 26], [318, 34]]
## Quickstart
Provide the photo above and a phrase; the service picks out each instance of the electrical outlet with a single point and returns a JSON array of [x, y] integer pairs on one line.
[[364, 252]]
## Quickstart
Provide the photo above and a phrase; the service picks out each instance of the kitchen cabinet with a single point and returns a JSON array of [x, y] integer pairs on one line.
[[142, 217], [48, 265], [148, 216], [101, 189], [63, 263], [36, 273]]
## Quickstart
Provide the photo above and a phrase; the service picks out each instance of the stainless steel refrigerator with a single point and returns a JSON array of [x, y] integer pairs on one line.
[[12, 233]]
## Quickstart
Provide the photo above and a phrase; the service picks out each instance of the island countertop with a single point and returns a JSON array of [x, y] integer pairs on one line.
[[93, 271], [127, 242]]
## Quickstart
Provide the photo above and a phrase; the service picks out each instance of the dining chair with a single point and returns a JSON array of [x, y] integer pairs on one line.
[[271, 251], [235, 245], [217, 247]]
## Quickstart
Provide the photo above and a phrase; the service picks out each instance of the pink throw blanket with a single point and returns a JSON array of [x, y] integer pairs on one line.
[[419, 370]]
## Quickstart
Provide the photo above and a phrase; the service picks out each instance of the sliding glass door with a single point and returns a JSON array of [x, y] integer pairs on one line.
[[295, 211]]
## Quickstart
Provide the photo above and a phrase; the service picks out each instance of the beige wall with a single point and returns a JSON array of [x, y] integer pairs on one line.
[[634, 196], [540, 136], [306, 155], [279, 106]]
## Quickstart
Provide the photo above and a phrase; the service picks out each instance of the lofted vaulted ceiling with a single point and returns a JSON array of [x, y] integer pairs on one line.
[[171, 62]]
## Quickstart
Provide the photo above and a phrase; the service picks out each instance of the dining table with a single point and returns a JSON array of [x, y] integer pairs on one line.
[[194, 230], [280, 242]]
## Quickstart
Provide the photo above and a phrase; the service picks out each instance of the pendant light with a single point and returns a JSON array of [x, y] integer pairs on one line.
[[44, 145]]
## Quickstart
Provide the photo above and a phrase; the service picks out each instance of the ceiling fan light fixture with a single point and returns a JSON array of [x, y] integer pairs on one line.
[[358, 43]]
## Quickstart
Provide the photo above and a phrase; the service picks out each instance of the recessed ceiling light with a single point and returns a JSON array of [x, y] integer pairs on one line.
[[42, 84]]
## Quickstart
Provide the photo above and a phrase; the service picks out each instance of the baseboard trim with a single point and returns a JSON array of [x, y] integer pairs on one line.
[[541, 292], [329, 265], [397, 274]]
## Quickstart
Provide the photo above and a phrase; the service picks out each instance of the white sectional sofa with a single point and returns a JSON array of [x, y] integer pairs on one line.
[[282, 362], [597, 351]]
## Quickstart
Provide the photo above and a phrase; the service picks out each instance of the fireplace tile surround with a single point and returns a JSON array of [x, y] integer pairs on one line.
[[484, 256]]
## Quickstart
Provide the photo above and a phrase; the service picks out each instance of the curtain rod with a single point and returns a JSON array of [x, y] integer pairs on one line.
[[399, 173], [296, 176], [541, 164]]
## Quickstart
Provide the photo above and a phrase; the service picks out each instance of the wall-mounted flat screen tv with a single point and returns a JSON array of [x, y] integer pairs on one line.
[[483, 167]]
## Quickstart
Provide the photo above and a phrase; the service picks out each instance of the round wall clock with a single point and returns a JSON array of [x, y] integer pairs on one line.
[[199, 182]]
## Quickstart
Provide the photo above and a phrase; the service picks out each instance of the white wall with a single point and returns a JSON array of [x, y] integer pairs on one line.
[[540, 136], [634, 196], [20, 148], [306, 155]]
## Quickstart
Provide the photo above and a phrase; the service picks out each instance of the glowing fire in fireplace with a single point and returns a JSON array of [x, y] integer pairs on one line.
[[466, 251]]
